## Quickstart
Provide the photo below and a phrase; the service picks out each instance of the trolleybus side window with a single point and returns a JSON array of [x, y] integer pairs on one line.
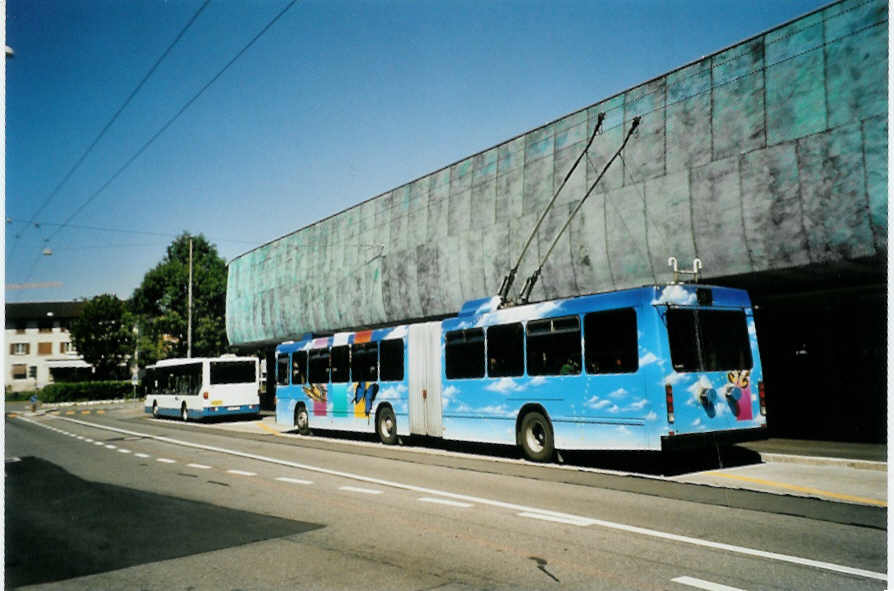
[[232, 372], [554, 346], [299, 367], [282, 369], [610, 342], [464, 353], [391, 354], [708, 340], [364, 362], [319, 366], [505, 350], [339, 362]]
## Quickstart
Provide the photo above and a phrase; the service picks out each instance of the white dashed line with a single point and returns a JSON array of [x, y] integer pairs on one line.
[[166, 461], [124, 451], [570, 520], [241, 473], [700, 584], [142, 455], [293, 480], [199, 466], [366, 491], [445, 502], [111, 447], [98, 443]]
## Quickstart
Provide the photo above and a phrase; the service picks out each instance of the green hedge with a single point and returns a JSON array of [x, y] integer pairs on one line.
[[75, 391], [16, 396]]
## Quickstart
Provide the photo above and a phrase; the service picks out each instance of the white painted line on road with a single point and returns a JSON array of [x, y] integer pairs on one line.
[[123, 451], [366, 491], [444, 502], [199, 466], [510, 506], [707, 585], [570, 520], [166, 461], [81, 437], [111, 447], [13, 459], [241, 473], [88, 440], [141, 455], [294, 480], [98, 443]]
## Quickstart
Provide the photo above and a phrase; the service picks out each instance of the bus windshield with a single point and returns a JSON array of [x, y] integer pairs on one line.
[[708, 340], [232, 372]]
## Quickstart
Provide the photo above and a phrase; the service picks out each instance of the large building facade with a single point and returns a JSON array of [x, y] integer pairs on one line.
[[767, 160]]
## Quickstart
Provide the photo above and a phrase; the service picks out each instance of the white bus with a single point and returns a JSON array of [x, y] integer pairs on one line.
[[202, 387]]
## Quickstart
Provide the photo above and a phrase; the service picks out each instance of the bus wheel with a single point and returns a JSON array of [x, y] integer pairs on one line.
[[302, 421], [184, 413], [386, 426], [537, 438], [155, 410]]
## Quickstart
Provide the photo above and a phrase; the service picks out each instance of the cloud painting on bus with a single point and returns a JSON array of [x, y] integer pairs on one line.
[[587, 409]]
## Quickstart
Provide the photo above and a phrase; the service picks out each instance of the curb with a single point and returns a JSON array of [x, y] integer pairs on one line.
[[824, 461]]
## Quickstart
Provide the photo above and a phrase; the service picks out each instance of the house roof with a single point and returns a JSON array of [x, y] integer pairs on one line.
[[43, 310]]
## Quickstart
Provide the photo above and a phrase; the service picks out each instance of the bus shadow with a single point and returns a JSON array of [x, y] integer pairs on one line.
[[655, 463]]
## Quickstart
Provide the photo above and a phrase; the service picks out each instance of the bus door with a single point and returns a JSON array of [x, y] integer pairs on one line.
[[424, 349]]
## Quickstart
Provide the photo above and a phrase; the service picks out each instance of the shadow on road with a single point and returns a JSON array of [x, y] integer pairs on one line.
[[59, 526]]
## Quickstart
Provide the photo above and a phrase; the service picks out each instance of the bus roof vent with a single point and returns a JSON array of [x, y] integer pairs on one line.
[[696, 269]]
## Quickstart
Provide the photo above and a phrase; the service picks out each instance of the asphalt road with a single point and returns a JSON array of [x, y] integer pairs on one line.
[[118, 502]]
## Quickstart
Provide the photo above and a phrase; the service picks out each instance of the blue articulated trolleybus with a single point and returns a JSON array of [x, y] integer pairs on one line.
[[637, 369]]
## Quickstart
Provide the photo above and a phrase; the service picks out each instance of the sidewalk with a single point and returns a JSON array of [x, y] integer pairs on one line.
[[867, 456]]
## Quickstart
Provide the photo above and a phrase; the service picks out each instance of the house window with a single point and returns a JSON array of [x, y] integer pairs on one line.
[[19, 348], [44, 348], [65, 348], [19, 371], [32, 371]]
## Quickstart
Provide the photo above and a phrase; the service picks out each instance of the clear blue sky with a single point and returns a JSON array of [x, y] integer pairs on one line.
[[339, 101]]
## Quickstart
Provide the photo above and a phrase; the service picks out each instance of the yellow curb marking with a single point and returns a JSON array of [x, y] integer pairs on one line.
[[269, 430], [804, 489], [69, 412], [85, 412], [100, 412]]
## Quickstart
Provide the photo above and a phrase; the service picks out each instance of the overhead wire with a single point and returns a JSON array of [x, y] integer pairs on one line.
[[114, 117], [164, 127]]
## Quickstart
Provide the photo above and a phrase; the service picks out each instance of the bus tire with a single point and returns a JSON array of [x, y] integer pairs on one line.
[[184, 412], [155, 409], [302, 420], [386, 426], [536, 437]]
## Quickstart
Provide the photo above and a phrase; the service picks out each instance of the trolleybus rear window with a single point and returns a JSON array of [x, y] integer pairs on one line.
[[233, 372], [708, 340]]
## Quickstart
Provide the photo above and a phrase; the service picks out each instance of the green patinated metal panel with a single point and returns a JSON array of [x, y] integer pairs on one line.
[[769, 155]]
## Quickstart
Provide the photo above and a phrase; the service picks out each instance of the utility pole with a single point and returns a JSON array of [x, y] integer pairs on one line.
[[189, 308]]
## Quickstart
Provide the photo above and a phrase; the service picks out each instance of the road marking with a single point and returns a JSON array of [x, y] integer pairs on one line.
[[293, 480], [366, 491], [707, 585], [199, 466], [268, 429], [444, 502], [100, 412], [69, 412], [142, 455], [13, 459], [110, 447], [241, 473], [166, 461], [570, 520], [742, 550], [85, 412], [88, 440], [98, 443], [124, 451], [804, 489], [81, 437]]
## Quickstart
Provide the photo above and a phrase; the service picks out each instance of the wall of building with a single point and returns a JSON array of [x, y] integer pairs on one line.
[[44, 346], [767, 156]]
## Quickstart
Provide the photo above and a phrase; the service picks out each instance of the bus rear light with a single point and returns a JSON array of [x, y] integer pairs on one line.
[[669, 397], [762, 397], [205, 395]]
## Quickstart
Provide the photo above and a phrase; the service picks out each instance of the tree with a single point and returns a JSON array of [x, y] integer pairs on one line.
[[159, 304], [102, 335]]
